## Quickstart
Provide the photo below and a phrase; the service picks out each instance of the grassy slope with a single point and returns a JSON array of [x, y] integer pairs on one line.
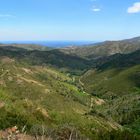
[[120, 90], [36, 95], [117, 81]]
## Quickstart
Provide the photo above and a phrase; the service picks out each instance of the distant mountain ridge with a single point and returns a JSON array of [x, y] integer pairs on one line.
[[26, 46], [106, 48]]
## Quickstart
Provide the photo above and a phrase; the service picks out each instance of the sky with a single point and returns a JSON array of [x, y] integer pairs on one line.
[[94, 20]]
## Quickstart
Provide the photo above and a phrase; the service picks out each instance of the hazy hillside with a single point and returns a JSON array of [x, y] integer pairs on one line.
[[26, 46], [106, 48]]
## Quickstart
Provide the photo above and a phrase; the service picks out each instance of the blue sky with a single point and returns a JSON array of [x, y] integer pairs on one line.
[[95, 20]]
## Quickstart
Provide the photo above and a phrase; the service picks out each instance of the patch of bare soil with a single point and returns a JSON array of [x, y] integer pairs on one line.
[[7, 60]]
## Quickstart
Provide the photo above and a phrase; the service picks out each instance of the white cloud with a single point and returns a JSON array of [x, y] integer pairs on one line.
[[7, 16], [135, 8], [96, 9]]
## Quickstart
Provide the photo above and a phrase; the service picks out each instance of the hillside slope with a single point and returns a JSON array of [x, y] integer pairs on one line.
[[70, 96], [106, 48], [36, 96], [26, 47], [53, 58], [117, 81]]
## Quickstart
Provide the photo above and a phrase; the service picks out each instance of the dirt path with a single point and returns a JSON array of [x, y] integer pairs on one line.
[[32, 81], [81, 83]]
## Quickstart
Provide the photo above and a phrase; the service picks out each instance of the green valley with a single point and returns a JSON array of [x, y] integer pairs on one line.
[[72, 93]]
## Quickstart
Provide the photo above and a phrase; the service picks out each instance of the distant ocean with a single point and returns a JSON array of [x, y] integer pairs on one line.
[[54, 44]]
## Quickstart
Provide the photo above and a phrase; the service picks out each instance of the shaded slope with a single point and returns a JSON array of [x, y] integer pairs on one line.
[[54, 58]]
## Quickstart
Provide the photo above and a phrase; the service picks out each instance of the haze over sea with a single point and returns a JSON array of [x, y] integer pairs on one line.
[[54, 44]]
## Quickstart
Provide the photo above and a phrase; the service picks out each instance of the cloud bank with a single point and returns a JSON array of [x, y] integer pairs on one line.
[[135, 8]]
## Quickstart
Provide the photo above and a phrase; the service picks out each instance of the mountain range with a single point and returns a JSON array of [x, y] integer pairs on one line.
[[87, 92]]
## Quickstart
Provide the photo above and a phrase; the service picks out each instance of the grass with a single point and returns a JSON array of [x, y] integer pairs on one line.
[[120, 90], [41, 95], [117, 82]]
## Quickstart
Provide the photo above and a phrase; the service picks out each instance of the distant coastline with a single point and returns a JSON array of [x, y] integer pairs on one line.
[[53, 44]]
